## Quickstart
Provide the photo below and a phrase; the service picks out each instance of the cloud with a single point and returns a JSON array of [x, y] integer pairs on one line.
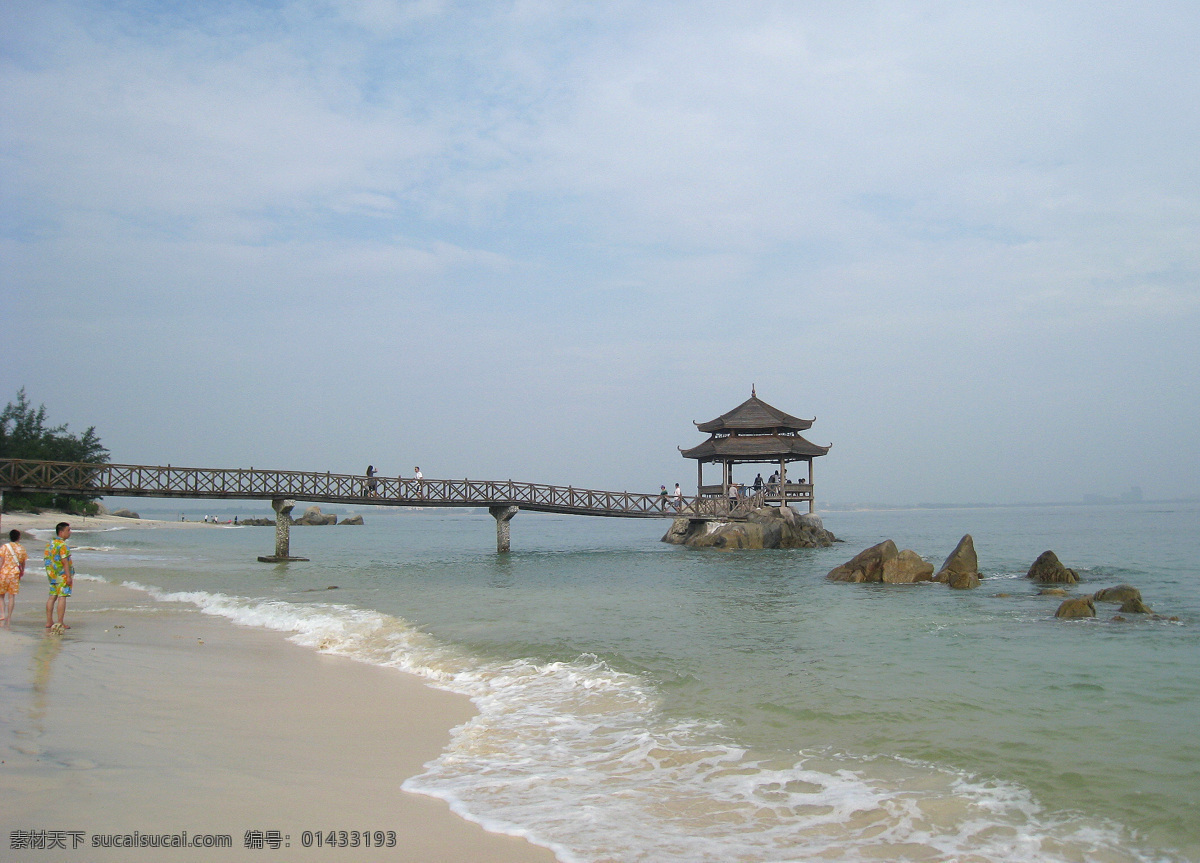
[[624, 212]]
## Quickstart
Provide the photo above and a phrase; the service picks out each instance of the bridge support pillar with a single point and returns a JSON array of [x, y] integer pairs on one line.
[[283, 525], [503, 515]]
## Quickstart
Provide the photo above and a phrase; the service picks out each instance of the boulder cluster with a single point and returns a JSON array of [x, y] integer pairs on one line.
[[765, 527], [312, 517], [885, 564]]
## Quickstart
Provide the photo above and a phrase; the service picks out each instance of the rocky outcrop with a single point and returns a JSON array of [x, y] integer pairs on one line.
[[1120, 593], [766, 527], [961, 569], [125, 513], [1080, 606], [867, 565], [883, 563], [352, 519], [1048, 569], [907, 567], [1126, 594], [314, 516]]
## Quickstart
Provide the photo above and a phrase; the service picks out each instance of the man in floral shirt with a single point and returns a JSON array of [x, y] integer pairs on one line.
[[61, 573]]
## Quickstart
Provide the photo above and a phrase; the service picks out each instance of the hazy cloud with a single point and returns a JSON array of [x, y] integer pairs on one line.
[[537, 239]]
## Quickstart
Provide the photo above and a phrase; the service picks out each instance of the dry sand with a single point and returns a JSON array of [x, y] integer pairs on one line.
[[158, 719]]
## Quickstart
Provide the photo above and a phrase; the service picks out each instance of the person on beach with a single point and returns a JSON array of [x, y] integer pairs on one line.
[[61, 573], [12, 570]]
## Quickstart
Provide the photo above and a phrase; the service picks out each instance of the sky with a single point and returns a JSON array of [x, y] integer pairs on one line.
[[536, 240]]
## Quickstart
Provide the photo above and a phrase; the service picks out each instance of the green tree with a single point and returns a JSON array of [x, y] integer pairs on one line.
[[24, 433]]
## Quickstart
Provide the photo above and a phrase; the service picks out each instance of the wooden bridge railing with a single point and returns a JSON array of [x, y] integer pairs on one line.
[[123, 480]]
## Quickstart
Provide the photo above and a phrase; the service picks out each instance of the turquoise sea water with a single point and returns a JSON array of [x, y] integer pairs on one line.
[[640, 701]]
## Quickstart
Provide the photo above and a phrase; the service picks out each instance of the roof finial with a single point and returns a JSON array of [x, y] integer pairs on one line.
[[753, 394]]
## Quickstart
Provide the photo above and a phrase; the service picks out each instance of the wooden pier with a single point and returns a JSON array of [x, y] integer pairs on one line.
[[503, 499]]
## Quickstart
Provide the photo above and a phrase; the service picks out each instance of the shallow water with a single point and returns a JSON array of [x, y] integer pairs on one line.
[[640, 701]]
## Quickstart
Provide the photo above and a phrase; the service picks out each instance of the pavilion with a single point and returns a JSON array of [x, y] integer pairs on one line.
[[754, 432]]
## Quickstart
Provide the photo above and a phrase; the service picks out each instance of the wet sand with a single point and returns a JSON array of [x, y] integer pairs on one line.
[[159, 719]]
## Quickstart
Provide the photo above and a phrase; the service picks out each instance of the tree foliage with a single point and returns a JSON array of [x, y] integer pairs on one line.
[[24, 433]]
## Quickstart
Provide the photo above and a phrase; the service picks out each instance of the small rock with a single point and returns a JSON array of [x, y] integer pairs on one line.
[[1135, 606], [1052, 591], [1118, 619], [1081, 606], [125, 513], [1048, 568], [1000, 595], [1120, 593]]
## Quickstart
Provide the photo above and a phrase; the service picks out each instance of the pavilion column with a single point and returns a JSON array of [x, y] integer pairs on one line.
[[503, 515], [812, 494]]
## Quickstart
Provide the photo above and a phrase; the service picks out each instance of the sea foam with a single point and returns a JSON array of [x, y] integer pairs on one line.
[[581, 758]]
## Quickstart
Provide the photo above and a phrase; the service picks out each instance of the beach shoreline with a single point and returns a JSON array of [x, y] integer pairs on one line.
[[149, 718]]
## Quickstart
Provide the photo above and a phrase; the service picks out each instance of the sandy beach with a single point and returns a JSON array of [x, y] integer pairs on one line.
[[154, 719]]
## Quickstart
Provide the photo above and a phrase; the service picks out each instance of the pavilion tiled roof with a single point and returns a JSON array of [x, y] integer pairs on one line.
[[754, 415], [755, 448], [754, 431]]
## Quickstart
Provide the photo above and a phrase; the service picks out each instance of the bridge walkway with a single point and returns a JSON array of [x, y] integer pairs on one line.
[[502, 498]]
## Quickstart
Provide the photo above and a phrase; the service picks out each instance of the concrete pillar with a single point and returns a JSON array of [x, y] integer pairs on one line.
[[283, 525], [503, 515]]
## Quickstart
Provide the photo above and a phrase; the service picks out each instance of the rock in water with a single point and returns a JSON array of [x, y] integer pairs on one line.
[[766, 527], [961, 569], [126, 513], [1120, 593], [1048, 569], [867, 565], [962, 580], [314, 516], [352, 519], [1134, 605], [1081, 606], [908, 567]]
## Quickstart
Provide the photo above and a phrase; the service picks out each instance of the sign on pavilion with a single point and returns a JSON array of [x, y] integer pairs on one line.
[[754, 432]]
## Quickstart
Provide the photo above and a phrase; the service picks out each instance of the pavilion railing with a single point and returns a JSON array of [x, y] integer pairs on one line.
[[122, 480]]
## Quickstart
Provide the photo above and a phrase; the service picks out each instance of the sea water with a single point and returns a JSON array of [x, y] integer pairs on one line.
[[641, 701]]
